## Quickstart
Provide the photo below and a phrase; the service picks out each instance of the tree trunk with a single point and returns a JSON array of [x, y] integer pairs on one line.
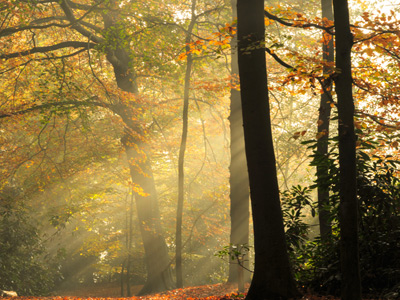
[[238, 180], [130, 236], [181, 174], [122, 278], [182, 149], [272, 278], [323, 127], [156, 251], [159, 276], [348, 217]]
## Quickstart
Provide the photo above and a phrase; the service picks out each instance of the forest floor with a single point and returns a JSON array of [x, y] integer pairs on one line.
[[112, 291]]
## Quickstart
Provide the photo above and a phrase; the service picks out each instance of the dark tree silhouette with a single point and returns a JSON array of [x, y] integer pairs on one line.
[[348, 218], [272, 275], [238, 180], [323, 127]]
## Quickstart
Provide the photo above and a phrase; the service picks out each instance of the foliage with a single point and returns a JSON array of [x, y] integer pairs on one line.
[[64, 148], [25, 266], [296, 203], [379, 201], [234, 252]]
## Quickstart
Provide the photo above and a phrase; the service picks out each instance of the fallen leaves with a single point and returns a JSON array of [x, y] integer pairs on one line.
[[205, 292]]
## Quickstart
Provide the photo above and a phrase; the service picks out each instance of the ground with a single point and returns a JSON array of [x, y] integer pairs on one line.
[[112, 291]]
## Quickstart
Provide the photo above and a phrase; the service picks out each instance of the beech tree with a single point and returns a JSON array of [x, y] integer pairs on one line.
[[238, 179], [182, 149], [324, 121], [348, 208], [88, 27], [272, 278]]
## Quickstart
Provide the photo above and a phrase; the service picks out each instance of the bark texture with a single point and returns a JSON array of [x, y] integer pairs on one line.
[[272, 275], [348, 216]]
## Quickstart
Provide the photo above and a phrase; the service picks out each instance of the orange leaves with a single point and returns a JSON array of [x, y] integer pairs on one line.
[[218, 42], [216, 85], [296, 135], [206, 292], [321, 134], [394, 144]]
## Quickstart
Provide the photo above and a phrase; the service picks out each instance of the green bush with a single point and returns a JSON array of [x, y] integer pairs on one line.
[[317, 264], [23, 265]]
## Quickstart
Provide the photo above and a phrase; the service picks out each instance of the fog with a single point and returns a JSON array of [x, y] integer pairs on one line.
[[91, 125]]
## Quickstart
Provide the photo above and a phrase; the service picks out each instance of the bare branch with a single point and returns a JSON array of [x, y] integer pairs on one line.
[[278, 59], [75, 23], [308, 25]]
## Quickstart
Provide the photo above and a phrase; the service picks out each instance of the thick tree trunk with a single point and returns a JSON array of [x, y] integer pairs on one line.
[[238, 180], [159, 276], [323, 127], [272, 275], [348, 210]]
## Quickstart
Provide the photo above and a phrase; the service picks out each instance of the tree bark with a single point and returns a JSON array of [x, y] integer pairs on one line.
[[348, 216], [238, 180], [159, 276], [323, 127], [272, 278]]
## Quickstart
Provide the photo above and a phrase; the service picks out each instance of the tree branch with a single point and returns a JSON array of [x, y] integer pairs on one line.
[[308, 25], [45, 49], [279, 60], [75, 103], [75, 23]]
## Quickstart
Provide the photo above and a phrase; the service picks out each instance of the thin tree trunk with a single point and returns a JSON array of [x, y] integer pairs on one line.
[[182, 149], [323, 127], [122, 278], [238, 180], [348, 216], [272, 278], [130, 235]]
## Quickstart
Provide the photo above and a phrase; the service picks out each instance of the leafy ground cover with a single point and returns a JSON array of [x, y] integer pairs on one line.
[[205, 292]]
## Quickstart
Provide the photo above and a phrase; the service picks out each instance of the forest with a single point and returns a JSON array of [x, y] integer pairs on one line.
[[200, 149]]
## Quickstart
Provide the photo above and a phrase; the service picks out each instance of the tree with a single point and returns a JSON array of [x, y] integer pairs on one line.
[[348, 208], [25, 265], [324, 121], [238, 179], [182, 149], [272, 275], [86, 32]]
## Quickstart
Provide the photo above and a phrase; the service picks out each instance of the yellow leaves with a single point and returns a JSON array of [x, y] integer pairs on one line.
[[220, 40], [369, 51], [216, 85], [267, 21]]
